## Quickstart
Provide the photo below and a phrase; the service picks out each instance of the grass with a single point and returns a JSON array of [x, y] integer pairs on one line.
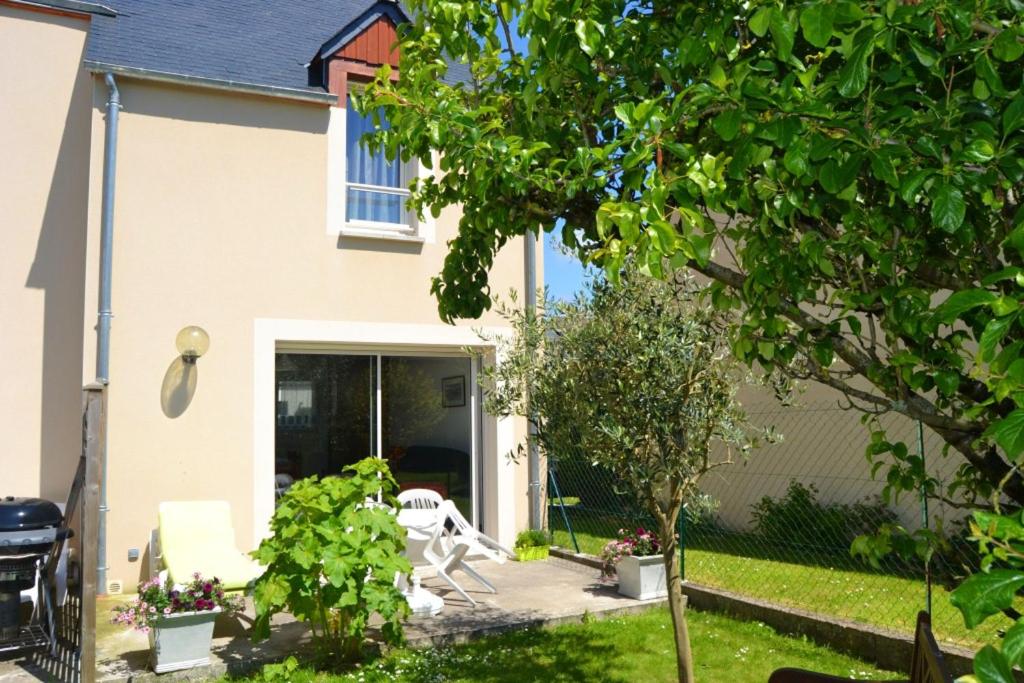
[[835, 585], [613, 651]]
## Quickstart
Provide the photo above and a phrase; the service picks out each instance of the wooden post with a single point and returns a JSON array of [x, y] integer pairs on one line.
[[94, 441]]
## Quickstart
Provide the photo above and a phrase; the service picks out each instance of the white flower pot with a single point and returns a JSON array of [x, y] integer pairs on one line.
[[182, 641], [642, 578]]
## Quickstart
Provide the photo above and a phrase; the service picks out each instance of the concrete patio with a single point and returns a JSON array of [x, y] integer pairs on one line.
[[532, 594]]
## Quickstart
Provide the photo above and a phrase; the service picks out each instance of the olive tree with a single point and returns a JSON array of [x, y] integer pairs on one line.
[[640, 379]]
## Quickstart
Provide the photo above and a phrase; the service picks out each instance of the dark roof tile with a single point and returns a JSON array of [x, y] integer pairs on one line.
[[257, 42]]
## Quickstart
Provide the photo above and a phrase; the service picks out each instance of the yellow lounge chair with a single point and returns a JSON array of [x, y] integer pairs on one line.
[[197, 536]]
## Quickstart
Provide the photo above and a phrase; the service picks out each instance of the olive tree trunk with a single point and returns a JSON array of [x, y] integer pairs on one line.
[[670, 555]]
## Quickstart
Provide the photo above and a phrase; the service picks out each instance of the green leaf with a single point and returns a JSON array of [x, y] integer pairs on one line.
[[948, 207], [912, 183], [991, 337], [991, 667], [727, 124], [589, 33], [883, 169], [828, 176], [717, 76], [783, 34], [1013, 115], [759, 22], [980, 90], [1009, 433], [1003, 527], [979, 151], [664, 237], [984, 594], [1013, 644], [948, 381], [925, 55], [816, 23], [1006, 47], [984, 69], [795, 159], [624, 112], [960, 302], [853, 77], [1004, 305]]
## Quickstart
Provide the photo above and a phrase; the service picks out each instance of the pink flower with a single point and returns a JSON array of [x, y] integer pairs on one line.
[[152, 609], [167, 610]]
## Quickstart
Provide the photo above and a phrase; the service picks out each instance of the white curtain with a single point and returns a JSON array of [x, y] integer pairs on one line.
[[370, 169]]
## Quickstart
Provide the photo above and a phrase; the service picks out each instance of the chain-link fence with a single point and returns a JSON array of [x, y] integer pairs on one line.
[[780, 524]]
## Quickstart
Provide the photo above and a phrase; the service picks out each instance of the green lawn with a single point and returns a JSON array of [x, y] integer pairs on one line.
[[637, 648], [845, 588]]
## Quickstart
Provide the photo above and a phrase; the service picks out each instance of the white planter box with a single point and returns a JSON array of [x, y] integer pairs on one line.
[[642, 578], [182, 641]]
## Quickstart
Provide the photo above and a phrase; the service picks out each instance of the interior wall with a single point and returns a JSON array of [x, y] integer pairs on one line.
[[453, 430]]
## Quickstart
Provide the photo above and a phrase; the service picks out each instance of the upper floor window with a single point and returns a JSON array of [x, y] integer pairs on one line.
[[375, 188]]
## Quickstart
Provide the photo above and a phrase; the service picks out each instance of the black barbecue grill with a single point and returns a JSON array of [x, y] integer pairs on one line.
[[30, 530]]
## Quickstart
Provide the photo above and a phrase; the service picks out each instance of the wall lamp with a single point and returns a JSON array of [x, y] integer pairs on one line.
[[192, 342]]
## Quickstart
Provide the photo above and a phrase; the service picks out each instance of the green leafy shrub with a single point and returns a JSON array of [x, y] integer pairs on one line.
[[532, 538], [333, 558], [799, 519]]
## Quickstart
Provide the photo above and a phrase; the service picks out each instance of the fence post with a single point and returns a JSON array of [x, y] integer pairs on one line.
[[94, 428], [681, 523], [561, 505], [924, 520]]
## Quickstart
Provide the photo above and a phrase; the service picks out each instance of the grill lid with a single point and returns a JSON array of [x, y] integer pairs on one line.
[[24, 514]]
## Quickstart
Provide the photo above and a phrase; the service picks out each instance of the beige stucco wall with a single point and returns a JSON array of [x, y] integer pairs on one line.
[[822, 445], [220, 221], [45, 97]]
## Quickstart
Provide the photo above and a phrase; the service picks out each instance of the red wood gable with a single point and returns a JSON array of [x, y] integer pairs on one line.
[[376, 45], [360, 57]]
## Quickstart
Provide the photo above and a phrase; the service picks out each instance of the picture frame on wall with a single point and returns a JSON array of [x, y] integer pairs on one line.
[[453, 391]]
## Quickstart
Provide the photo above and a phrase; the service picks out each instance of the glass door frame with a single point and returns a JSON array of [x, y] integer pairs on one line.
[[473, 394]]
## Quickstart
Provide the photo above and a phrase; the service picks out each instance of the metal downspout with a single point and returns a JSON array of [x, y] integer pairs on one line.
[[533, 465], [105, 314]]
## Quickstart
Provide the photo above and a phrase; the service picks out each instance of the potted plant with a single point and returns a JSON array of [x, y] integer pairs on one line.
[[532, 544], [636, 557], [178, 619]]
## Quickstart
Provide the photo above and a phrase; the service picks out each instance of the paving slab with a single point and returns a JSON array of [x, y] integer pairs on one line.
[[530, 594]]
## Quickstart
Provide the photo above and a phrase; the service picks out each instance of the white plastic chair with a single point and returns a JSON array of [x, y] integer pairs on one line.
[[461, 531], [447, 557], [420, 499]]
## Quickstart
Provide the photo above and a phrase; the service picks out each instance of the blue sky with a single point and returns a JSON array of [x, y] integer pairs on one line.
[[563, 274]]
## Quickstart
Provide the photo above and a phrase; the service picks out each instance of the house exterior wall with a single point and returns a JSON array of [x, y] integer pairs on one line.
[[220, 222], [45, 98], [822, 445]]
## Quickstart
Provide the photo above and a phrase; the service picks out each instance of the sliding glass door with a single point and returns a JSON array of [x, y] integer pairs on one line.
[[418, 412]]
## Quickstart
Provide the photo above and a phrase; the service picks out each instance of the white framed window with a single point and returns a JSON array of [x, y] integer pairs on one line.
[[367, 195], [376, 189]]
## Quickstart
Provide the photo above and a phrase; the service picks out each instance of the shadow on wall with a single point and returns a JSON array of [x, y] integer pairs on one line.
[[178, 388], [170, 101], [59, 270]]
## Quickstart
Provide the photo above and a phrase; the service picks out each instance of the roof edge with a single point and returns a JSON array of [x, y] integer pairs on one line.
[[78, 6], [212, 83]]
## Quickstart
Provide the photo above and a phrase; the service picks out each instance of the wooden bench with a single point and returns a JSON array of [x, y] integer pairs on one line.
[[927, 665]]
